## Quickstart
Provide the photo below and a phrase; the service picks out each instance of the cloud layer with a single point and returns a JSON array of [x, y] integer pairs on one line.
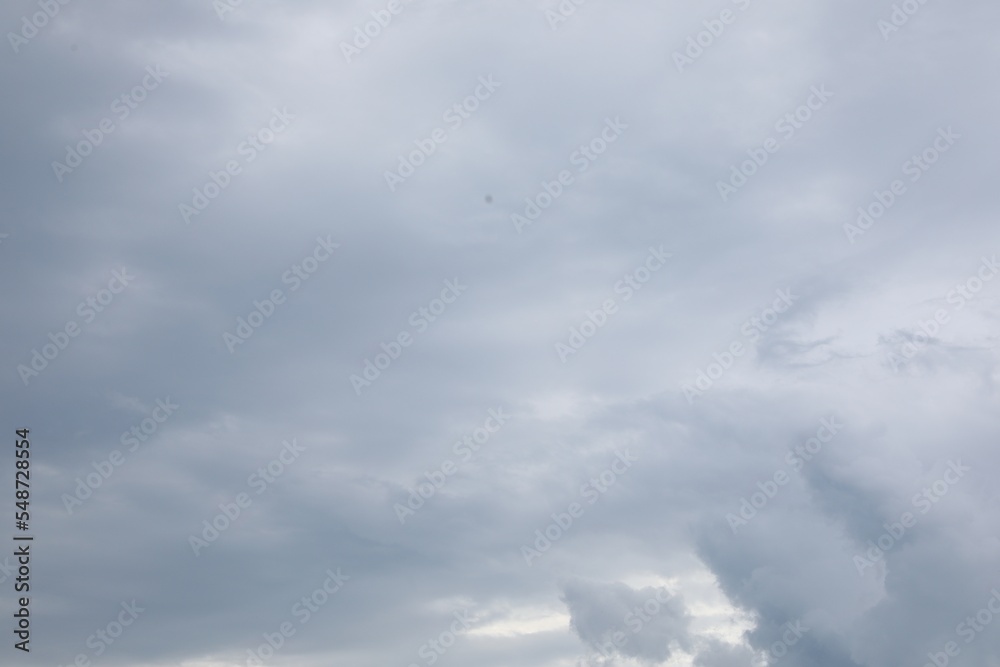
[[322, 316]]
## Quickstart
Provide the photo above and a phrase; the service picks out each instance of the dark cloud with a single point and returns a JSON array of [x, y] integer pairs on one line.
[[735, 595], [616, 619]]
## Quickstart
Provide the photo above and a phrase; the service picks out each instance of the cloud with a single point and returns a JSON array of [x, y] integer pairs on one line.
[[614, 618], [203, 137]]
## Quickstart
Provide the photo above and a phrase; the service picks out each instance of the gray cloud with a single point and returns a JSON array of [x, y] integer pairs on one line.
[[614, 618], [663, 524]]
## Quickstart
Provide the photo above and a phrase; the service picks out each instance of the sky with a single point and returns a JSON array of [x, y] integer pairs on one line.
[[536, 334]]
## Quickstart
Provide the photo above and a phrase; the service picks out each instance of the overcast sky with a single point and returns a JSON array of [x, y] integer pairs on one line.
[[499, 333]]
